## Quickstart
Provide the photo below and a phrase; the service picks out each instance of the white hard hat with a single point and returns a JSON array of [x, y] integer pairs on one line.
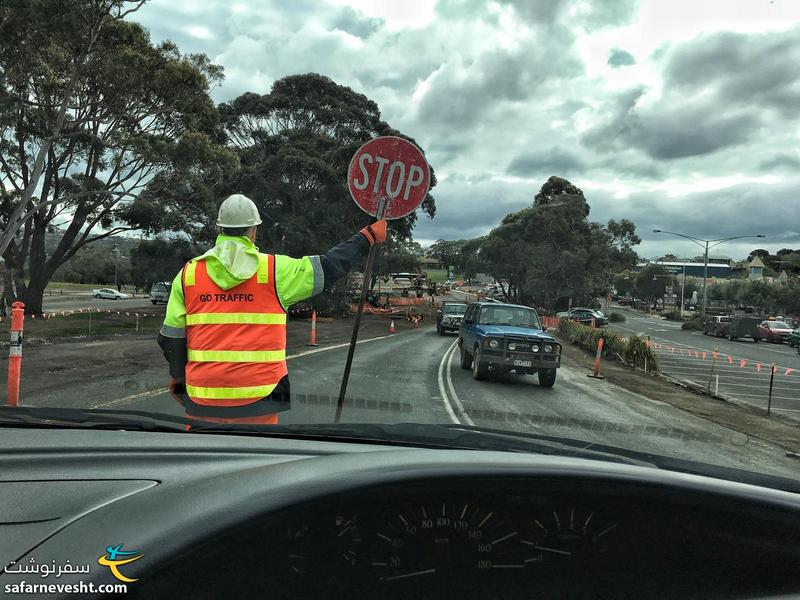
[[237, 210]]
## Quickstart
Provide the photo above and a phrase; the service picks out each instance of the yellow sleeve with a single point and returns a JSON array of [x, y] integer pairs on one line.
[[297, 279], [175, 320]]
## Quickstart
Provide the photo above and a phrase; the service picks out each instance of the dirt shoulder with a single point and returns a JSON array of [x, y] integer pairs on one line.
[[747, 420]]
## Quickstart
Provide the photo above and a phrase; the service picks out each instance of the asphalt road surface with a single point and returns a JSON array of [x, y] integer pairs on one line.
[[86, 300], [743, 367], [415, 376]]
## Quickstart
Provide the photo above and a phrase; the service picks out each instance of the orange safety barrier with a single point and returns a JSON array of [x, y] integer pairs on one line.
[[15, 352]]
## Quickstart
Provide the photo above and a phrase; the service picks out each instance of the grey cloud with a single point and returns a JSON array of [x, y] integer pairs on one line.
[[555, 161], [620, 58], [781, 162], [467, 209], [707, 215], [603, 13], [594, 15], [348, 20], [460, 95], [538, 11], [669, 130], [741, 69]]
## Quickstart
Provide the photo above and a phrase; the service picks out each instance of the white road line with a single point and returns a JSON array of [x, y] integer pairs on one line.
[[459, 407], [447, 406]]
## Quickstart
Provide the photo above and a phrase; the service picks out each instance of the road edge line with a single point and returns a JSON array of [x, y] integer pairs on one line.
[[447, 406]]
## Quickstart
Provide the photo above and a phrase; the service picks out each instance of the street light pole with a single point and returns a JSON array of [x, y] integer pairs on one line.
[[706, 244], [683, 285], [705, 281]]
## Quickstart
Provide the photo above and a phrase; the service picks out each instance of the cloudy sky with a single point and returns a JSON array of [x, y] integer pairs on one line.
[[680, 115]]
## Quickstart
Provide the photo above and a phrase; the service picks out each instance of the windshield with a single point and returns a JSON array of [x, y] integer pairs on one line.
[[508, 315], [455, 309], [190, 196]]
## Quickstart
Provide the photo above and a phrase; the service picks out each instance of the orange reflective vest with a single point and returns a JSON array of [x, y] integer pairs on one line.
[[235, 345]]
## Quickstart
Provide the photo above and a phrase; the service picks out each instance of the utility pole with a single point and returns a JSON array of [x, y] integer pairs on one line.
[[706, 245]]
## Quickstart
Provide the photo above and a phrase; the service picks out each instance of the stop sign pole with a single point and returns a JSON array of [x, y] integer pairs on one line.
[[388, 178]]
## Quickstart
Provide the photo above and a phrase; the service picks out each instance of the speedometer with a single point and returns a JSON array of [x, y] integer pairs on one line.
[[446, 537]]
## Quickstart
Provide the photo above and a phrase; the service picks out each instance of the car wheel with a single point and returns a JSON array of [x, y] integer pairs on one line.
[[705, 331], [756, 340], [479, 370], [466, 359], [547, 377], [98, 296], [154, 301], [798, 349]]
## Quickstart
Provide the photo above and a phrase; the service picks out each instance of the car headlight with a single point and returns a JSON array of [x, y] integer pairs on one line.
[[512, 346], [548, 348], [493, 344], [535, 348]]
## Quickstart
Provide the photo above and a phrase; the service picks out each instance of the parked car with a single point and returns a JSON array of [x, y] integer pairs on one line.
[[448, 317], [744, 326], [775, 331], [718, 326], [586, 316], [794, 339], [499, 338], [160, 292], [109, 294]]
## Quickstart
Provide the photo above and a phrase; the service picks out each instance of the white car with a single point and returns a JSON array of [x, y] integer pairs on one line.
[[109, 293]]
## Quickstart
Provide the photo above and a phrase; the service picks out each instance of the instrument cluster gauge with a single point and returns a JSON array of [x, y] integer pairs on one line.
[[308, 546], [443, 538], [565, 534]]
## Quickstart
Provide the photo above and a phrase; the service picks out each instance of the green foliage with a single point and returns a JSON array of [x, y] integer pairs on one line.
[[448, 252], [552, 250], [695, 324], [674, 315], [94, 264], [633, 350], [652, 281], [640, 354], [616, 317], [295, 145], [159, 260], [110, 113]]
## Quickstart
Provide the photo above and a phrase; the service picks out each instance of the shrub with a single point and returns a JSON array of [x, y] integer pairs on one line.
[[695, 324], [616, 318], [674, 315], [632, 350], [639, 354]]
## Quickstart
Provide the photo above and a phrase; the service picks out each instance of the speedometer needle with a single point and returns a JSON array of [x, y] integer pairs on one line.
[[414, 574]]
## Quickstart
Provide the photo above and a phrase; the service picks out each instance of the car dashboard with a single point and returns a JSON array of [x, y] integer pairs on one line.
[[244, 517]]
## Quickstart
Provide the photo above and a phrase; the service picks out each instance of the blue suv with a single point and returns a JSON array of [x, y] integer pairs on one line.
[[507, 337]]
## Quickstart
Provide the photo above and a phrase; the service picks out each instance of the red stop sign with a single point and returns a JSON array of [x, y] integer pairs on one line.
[[392, 168]]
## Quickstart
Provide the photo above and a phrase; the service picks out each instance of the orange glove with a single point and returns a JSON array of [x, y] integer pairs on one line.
[[375, 233]]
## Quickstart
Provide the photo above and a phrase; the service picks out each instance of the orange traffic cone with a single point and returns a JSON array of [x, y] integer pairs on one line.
[[391, 327], [313, 340]]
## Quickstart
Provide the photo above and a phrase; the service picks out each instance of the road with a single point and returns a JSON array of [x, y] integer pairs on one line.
[[86, 300], [415, 376], [743, 367]]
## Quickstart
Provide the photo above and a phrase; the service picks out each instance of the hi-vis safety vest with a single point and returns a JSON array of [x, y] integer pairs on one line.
[[235, 338]]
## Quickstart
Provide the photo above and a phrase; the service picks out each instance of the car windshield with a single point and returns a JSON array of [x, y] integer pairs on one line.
[[508, 315], [450, 210], [455, 309]]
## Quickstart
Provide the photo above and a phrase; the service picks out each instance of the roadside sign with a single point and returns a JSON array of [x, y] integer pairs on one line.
[[390, 168]]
